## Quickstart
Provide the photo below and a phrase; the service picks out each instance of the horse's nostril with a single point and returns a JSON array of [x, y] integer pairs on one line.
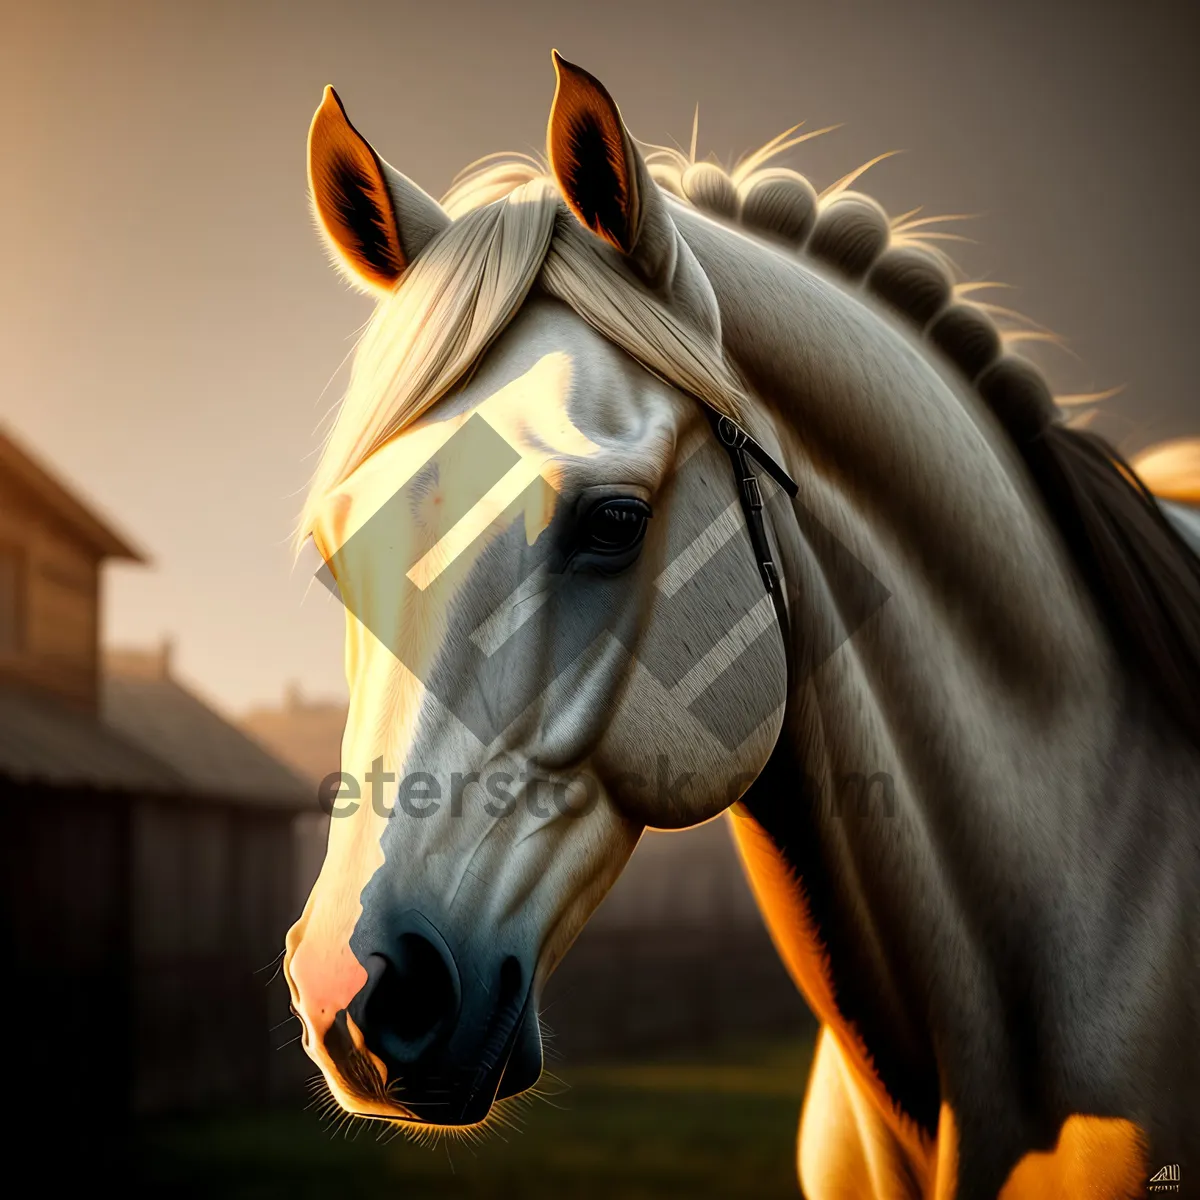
[[413, 996], [441, 1055], [510, 979]]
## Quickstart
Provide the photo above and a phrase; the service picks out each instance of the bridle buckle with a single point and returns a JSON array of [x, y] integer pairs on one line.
[[743, 451]]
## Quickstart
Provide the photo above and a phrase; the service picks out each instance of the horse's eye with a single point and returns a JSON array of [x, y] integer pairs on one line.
[[615, 527]]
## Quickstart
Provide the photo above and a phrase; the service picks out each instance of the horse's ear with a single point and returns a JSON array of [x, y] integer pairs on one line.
[[603, 178], [375, 219]]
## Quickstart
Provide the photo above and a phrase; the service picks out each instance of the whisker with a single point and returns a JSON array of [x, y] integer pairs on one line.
[[273, 963]]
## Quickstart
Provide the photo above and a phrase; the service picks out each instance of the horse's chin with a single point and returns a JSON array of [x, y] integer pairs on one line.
[[516, 1070], [524, 1067]]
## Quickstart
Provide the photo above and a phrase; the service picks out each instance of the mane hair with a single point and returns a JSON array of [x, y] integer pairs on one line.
[[511, 231]]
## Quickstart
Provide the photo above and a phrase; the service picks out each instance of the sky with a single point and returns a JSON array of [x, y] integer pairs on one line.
[[173, 336]]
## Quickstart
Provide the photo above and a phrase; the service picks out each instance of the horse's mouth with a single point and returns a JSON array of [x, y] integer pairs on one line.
[[510, 1075], [444, 1095], [506, 1066]]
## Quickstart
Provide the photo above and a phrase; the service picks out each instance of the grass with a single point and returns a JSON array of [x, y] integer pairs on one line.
[[724, 1127]]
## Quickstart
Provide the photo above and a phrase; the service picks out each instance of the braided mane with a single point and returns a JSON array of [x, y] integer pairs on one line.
[[899, 260], [1144, 577]]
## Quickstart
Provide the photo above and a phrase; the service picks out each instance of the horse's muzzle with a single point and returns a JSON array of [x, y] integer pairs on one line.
[[451, 1041]]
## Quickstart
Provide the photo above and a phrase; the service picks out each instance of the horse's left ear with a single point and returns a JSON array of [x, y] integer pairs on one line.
[[603, 178], [375, 219]]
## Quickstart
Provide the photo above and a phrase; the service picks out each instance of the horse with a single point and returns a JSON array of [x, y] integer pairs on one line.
[[660, 492]]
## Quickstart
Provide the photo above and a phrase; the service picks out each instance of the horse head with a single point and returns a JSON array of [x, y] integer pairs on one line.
[[557, 627]]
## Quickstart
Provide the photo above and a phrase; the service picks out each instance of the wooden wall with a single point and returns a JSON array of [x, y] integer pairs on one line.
[[64, 904], [58, 605], [140, 940], [214, 895]]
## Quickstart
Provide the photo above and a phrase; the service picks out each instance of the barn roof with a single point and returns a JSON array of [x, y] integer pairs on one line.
[[85, 524], [44, 741], [153, 737], [147, 706]]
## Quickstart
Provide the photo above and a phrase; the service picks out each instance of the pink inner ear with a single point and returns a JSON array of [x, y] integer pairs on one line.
[[589, 156]]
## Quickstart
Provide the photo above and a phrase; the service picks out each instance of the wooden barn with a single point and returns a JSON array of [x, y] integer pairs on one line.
[[148, 866], [214, 889]]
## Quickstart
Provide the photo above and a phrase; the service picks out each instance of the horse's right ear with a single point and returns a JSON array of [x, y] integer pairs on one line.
[[375, 220], [603, 178]]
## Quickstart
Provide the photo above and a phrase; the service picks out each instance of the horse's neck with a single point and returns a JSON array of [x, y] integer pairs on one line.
[[1021, 780], [965, 671], [988, 628]]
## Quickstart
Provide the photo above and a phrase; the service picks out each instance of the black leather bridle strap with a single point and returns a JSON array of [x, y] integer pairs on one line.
[[742, 450]]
